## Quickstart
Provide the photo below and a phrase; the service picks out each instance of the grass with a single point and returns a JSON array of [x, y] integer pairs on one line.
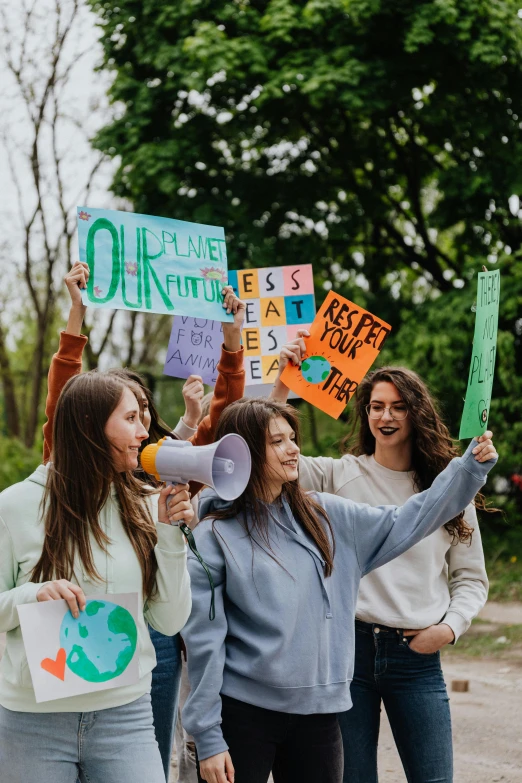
[[482, 641], [505, 580]]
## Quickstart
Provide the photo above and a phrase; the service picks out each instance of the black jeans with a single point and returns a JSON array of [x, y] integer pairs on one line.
[[296, 748]]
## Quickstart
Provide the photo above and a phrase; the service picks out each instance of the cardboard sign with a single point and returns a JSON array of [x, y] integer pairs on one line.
[[152, 264], [96, 652], [344, 342], [279, 301], [194, 348], [480, 381]]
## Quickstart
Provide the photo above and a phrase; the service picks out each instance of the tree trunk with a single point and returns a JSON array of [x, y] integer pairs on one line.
[[36, 386], [12, 413]]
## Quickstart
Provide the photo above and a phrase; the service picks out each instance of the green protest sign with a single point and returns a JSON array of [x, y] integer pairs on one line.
[[480, 382]]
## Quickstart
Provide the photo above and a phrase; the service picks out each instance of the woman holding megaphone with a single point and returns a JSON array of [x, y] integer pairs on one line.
[[230, 386], [84, 525], [270, 673]]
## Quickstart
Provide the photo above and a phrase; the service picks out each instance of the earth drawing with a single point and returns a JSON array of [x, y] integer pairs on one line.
[[100, 644], [315, 369]]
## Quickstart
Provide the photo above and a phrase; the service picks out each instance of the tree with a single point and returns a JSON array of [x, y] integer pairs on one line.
[[44, 140], [373, 139]]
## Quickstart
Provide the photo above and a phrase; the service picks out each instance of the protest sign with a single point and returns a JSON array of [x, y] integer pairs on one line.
[[96, 652], [475, 416], [344, 342], [279, 301], [194, 348], [152, 264]]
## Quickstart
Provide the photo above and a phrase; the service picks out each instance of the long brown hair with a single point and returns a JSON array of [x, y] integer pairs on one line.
[[250, 417], [432, 445], [79, 484], [158, 428]]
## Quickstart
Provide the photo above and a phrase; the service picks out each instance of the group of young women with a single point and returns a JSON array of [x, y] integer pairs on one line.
[[335, 581]]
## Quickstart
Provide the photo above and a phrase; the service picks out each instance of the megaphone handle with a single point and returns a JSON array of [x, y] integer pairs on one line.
[[193, 548]]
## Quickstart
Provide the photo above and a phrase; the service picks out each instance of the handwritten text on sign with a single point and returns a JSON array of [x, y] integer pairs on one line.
[[279, 301], [194, 348], [344, 342], [480, 381], [152, 264]]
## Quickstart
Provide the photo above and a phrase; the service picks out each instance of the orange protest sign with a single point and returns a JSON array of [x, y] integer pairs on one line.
[[344, 341]]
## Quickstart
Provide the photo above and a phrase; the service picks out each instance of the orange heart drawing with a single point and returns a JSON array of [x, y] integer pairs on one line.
[[55, 667]]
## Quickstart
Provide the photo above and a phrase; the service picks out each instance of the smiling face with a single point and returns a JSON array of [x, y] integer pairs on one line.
[[282, 454], [389, 432], [126, 432]]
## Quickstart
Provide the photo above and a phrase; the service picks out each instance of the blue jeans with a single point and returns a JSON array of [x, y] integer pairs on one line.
[[412, 689], [116, 745], [165, 692]]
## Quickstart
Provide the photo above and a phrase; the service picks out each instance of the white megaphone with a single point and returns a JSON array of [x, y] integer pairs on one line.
[[224, 465]]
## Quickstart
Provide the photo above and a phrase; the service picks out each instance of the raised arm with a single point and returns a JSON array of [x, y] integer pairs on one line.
[[230, 384], [292, 352], [67, 362], [382, 533]]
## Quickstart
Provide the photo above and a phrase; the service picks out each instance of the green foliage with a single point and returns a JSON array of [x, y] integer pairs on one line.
[[316, 130], [16, 461], [373, 139]]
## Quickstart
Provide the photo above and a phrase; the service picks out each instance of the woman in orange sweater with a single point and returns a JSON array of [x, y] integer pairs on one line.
[[230, 385]]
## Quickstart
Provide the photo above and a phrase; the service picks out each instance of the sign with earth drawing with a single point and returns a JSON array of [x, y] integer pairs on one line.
[[344, 342], [69, 656], [152, 264], [475, 415]]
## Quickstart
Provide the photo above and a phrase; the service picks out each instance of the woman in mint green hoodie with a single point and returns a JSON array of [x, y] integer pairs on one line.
[[84, 525], [273, 668]]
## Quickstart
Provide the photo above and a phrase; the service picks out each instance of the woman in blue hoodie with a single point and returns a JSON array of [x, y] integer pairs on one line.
[[270, 671]]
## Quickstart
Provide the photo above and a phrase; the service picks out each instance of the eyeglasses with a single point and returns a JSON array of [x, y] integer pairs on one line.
[[376, 411]]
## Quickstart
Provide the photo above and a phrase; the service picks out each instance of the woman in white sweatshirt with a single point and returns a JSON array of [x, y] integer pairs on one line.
[[423, 600], [84, 525]]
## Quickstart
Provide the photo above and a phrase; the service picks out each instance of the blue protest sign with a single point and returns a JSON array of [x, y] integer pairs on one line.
[[152, 264]]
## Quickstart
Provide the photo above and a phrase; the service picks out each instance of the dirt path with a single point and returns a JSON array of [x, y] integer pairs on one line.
[[487, 724]]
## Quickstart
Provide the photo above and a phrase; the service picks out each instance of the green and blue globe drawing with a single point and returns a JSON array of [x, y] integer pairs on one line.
[[315, 369], [100, 644]]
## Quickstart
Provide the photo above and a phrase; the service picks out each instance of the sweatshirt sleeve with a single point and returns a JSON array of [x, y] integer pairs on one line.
[[10, 596], [168, 610], [316, 474], [205, 642], [183, 431], [382, 533], [467, 578], [230, 386], [66, 363]]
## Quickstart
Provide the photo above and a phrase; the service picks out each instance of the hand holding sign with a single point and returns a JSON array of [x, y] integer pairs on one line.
[[152, 264], [344, 342], [71, 653], [480, 381]]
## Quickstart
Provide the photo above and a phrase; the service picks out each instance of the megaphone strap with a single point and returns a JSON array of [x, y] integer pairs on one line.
[[193, 548]]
